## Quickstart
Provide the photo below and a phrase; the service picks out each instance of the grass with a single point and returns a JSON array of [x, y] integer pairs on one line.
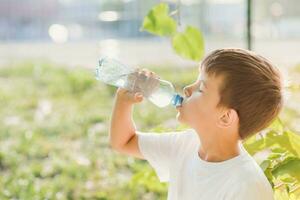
[[54, 135]]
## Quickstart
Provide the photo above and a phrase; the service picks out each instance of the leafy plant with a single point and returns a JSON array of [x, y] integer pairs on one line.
[[282, 165], [188, 44]]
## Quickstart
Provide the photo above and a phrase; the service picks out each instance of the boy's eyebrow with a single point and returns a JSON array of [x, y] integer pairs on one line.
[[204, 83]]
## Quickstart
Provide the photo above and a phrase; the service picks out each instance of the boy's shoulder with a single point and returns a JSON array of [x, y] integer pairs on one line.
[[249, 172], [250, 180]]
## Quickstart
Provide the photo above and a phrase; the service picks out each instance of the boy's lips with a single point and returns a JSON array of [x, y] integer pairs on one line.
[[178, 107], [182, 104]]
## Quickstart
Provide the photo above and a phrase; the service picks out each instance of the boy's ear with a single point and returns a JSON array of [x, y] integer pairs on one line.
[[227, 118]]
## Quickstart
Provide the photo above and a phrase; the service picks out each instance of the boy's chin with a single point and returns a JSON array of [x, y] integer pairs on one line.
[[179, 118]]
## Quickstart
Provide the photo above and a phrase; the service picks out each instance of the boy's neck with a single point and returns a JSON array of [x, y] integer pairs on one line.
[[218, 149]]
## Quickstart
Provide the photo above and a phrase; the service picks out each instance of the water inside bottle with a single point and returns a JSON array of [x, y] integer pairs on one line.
[[112, 72], [161, 97]]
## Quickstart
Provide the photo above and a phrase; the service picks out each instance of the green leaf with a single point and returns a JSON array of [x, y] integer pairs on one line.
[[253, 145], [286, 141], [290, 166], [265, 164], [283, 141], [272, 140], [159, 22], [274, 156], [269, 176], [189, 44], [287, 179], [278, 150]]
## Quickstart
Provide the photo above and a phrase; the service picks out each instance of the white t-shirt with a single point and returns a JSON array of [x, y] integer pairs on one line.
[[174, 157]]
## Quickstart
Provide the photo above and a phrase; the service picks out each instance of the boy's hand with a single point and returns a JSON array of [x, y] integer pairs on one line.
[[128, 97]]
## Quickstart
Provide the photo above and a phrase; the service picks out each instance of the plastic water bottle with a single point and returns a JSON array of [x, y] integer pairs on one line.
[[159, 92]]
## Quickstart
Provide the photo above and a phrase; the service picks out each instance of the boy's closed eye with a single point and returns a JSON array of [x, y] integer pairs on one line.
[[200, 87], [199, 90]]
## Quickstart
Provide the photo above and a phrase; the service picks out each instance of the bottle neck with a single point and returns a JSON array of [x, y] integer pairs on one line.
[[177, 100]]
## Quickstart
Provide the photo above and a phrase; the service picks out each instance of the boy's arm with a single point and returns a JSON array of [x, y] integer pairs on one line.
[[122, 128]]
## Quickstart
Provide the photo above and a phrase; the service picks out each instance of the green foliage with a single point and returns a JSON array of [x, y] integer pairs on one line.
[[188, 44], [282, 166], [159, 22], [145, 178]]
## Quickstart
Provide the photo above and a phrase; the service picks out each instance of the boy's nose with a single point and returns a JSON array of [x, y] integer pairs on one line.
[[186, 91]]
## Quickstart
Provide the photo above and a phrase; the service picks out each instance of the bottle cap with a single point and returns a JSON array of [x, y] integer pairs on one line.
[[177, 100]]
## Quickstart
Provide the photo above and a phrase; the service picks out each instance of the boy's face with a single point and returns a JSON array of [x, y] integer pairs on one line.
[[199, 108]]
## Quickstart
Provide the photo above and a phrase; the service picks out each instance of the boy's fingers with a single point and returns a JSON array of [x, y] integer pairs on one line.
[[138, 94], [138, 97], [148, 73]]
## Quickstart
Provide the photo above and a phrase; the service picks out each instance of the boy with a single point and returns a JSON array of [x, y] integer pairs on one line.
[[237, 94]]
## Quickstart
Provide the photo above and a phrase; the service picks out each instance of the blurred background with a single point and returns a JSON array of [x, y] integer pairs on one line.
[[78, 32], [54, 116]]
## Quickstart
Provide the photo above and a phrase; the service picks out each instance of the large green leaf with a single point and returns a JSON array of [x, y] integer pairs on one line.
[[159, 22], [283, 140], [189, 44], [289, 166], [287, 141], [253, 145]]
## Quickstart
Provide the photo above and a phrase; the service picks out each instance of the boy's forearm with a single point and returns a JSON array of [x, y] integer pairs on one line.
[[122, 127]]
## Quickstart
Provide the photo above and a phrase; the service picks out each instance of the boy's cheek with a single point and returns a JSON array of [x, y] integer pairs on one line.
[[194, 110]]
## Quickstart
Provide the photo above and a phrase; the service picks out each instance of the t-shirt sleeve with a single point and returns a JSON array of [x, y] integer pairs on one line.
[[160, 149]]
